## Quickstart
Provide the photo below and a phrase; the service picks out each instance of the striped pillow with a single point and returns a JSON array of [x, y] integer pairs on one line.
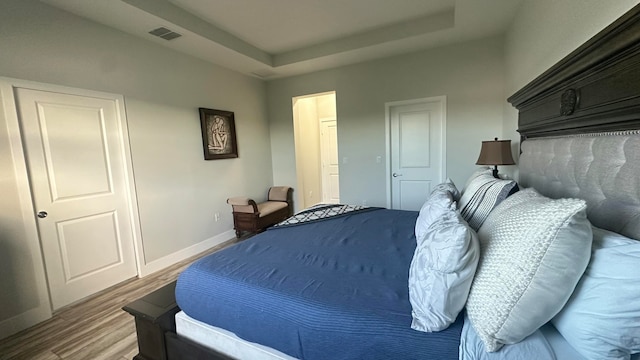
[[483, 193]]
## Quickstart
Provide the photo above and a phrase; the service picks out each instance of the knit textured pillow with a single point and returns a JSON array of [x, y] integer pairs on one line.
[[483, 193], [533, 251]]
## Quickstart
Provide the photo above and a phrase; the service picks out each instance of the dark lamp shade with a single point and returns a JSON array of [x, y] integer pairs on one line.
[[495, 152]]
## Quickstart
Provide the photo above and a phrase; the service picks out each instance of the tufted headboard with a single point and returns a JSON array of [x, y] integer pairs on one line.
[[603, 169], [580, 127]]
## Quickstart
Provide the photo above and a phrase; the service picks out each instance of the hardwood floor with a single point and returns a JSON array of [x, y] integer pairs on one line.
[[94, 329]]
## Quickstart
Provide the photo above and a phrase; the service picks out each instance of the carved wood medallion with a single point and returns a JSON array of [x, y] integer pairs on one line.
[[568, 102]]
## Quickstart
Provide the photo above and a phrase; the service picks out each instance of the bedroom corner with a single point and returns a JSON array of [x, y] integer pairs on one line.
[[178, 192]]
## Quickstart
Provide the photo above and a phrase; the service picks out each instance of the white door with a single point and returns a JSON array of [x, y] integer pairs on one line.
[[76, 160], [417, 150], [329, 154]]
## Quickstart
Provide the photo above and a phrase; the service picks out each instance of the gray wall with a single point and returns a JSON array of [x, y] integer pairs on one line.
[[542, 33], [469, 74], [178, 191]]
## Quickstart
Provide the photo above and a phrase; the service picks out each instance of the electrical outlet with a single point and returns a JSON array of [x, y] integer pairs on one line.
[[216, 216]]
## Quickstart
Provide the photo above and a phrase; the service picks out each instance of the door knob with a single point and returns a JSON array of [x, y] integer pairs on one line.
[[42, 214], [396, 175]]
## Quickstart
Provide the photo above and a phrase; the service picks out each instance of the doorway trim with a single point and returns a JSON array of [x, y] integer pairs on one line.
[[300, 179], [387, 128], [16, 143], [43, 310]]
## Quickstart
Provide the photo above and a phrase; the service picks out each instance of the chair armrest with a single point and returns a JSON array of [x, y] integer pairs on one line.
[[238, 200], [243, 204], [279, 193]]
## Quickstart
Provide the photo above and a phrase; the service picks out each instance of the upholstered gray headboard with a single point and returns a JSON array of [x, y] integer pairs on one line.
[[579, 124], [603, 169]]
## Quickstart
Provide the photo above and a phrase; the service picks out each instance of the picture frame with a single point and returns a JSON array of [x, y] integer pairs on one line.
[[218, 134]]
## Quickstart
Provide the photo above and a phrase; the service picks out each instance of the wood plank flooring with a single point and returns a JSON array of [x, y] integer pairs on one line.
[[94, 329]]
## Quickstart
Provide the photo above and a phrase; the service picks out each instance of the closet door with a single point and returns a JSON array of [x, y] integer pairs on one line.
[[75, 153]]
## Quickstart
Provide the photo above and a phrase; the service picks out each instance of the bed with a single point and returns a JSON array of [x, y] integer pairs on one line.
[[333, 288], [579, 125]]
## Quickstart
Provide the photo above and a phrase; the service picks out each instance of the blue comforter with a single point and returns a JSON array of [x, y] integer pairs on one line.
[[334, 289]]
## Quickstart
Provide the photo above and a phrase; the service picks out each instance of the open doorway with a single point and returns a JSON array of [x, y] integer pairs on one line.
[[316, 145]]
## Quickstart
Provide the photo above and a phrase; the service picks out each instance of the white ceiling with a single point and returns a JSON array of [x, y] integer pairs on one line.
[[277, 38]]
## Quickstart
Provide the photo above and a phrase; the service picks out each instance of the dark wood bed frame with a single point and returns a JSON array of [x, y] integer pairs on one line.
[[595, 88]]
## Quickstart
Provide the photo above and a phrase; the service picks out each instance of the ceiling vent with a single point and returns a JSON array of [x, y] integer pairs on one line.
[[165, 33]]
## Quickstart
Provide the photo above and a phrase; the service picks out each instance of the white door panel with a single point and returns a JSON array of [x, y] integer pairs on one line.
[[410, 193], [329, 153], [77, 170], [413, 128], [84, 256], [417, 151], [65, 129]]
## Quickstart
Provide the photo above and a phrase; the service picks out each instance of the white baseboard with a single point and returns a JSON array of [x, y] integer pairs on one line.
[[24, 320], [159, 264], [36, 315]]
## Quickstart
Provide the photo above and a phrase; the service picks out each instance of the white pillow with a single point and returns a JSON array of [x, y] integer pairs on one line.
[[602, 318], [441, 272], [534, 346], [449, 186], [440, 202], [533, 252]]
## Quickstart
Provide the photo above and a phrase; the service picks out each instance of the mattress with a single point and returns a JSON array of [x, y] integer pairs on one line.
[[332, 289], [546, 343], [224, 341]]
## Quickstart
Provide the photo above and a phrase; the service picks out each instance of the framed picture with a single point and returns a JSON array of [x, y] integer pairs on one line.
[[218, 134]]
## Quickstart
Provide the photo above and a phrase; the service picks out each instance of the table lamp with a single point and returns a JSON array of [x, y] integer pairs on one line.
[[495, 152]]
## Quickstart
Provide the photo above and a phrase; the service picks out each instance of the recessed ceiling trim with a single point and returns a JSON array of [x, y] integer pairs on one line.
[[221, 41], [176, 15], [420, 26], [167, 11], [263, 73]]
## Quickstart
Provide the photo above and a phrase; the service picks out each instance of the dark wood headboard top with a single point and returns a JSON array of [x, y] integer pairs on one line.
[[595, 88]]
